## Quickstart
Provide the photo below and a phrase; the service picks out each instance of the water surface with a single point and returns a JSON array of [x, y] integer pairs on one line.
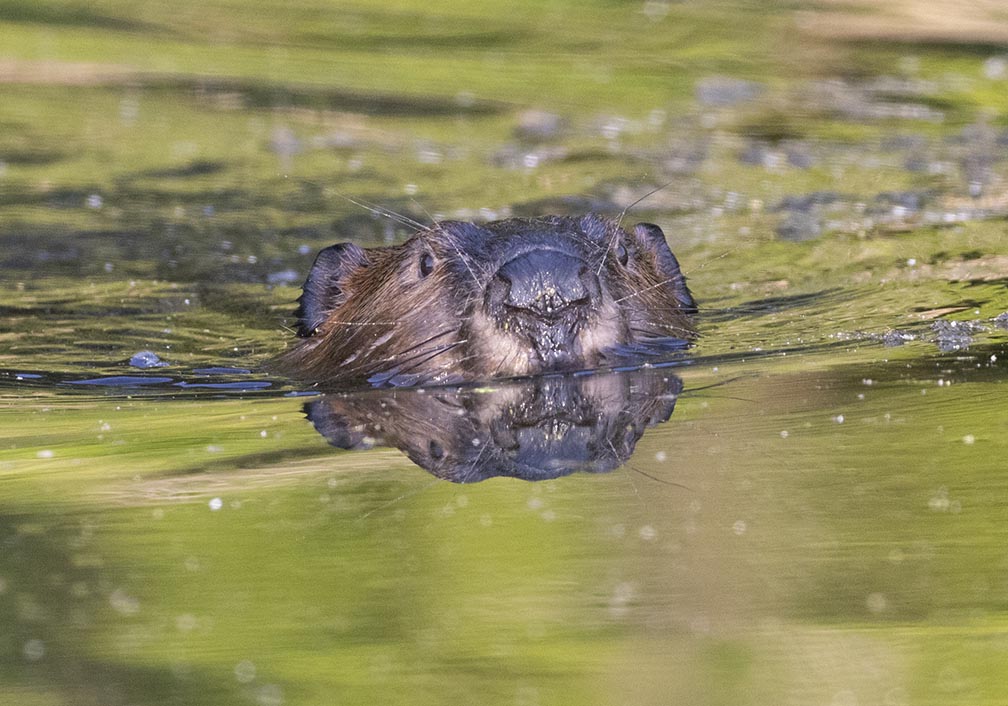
[[812, 511]]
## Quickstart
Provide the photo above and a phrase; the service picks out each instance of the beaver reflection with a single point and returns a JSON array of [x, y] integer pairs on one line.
[[534, 429]]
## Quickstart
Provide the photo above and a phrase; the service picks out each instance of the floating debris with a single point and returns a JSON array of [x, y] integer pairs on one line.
[[147, 359]]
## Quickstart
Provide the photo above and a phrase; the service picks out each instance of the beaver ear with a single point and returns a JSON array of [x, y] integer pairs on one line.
[[323, 290], [653, 241]]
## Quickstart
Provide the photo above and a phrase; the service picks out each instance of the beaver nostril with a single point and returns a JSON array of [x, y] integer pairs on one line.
[[545, 284]]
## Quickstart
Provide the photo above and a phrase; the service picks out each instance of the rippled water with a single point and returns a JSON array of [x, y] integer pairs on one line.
[[806, 507]]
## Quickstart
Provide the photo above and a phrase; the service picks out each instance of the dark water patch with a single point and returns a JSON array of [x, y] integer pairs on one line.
[[237, 386], [263, 94], [212, 463], [30, 156], [224, 380], [197, 168], [61, 198], [69, 15], [455, 38], [805, 202], [122, 381], [124, 307], [571, 205], [221, 371], [942, 48], [769, 305]]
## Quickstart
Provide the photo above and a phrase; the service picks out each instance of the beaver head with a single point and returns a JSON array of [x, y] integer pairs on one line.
[[460, 301]]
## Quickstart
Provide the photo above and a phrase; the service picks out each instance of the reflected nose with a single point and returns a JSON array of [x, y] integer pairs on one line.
[[546, 284]]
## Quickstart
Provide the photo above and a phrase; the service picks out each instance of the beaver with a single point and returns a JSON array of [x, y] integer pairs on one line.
[[462, 301]]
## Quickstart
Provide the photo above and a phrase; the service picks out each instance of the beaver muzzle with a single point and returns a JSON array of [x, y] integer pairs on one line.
[[545, 296]]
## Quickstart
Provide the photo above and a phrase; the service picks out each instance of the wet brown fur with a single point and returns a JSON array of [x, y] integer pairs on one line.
[[391, 319]]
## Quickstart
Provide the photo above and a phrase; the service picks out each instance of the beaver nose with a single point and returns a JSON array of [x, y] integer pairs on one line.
[[547, 283]]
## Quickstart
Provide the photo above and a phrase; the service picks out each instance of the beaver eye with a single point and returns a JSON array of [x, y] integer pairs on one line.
[[622, 255], [426, 264]]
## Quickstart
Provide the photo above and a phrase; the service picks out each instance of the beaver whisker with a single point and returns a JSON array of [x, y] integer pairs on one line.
[[362, 323], [385, 212], [462, 256], [400, 368], [619, 221], [470, 472], [413, 349], [661, 330], [645, 289], [605, 253]]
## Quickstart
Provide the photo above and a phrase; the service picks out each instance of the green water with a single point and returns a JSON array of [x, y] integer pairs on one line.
[[822, 519]]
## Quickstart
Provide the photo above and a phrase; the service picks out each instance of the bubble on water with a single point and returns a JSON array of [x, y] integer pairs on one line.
[[45, 453], [647, 533], [534, 503], [216, 504], [622, 594], [33, 650], [94, 201], [995, 68], [656, 9], [939, 502], [969, 439], [185, 622], [784, 434], [839, 419], [661, 456], [269, 695], [845, 697], [244, 672], [123, 603], [897, 696], [876, 602], [739, 527]]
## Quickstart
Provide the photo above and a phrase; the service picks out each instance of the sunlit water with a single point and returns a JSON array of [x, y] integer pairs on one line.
[[807, 507]]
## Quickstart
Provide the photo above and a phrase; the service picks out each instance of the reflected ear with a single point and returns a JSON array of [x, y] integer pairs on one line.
[[334, 426], [323, 290], [652, 239]]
